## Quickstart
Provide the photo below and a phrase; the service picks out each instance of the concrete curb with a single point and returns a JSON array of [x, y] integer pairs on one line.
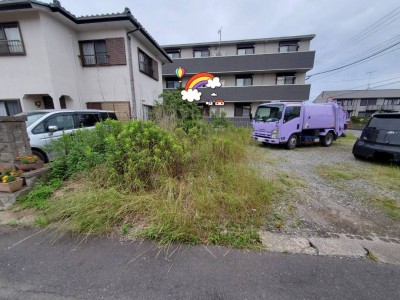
[[381, 249]]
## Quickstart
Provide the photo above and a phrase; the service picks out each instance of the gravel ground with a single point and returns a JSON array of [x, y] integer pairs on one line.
[[323, 206]]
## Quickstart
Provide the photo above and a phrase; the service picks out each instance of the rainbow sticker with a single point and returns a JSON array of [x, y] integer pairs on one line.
[[198, 80], [190, 93]]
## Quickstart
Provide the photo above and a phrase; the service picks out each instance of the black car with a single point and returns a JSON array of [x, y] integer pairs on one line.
[[380, 139]]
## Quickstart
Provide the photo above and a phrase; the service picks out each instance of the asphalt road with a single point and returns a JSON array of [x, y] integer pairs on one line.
[[32, 267]]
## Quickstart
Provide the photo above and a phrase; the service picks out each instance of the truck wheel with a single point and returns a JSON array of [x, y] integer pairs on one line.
[[327, 140], [292, 142]]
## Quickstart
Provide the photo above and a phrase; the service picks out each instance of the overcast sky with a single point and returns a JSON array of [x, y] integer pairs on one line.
[[335, 23]]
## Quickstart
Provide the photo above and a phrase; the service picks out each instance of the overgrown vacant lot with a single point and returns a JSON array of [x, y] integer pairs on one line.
[[334, 192], [138, 180]]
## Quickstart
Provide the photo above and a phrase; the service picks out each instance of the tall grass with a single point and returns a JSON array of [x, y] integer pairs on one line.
[[202, 189]]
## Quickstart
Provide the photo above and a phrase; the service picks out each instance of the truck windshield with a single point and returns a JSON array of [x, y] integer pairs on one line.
[[270, 113]]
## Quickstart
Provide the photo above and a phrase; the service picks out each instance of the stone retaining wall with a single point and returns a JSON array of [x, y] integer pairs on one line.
[[14, 139]]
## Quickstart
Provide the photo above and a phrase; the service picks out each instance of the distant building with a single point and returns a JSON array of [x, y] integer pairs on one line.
[[52, 59], [251, 71], [365, 102]]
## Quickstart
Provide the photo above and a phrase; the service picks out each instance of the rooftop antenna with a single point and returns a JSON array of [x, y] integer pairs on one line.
[[219, 46], [369, 77]]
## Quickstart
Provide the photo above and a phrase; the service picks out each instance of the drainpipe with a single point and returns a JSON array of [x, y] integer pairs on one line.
[[134, 107]]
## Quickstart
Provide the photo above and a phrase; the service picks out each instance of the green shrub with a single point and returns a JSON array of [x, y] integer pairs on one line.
[[141, 153], [174, 112], [220, 121]]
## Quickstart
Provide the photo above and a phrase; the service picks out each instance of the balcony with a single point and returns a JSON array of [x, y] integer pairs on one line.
[[293, 61], [289, 92], [11, 47]]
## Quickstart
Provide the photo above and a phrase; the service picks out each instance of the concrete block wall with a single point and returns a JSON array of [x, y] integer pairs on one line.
[[14, 139]]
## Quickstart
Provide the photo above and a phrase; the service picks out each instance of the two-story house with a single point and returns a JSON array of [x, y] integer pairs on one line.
[[251, 71], [52, 59], [363, 103]]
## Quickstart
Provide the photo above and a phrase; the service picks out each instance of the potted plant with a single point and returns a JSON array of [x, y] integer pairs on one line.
[[28, 162], [10, 182]]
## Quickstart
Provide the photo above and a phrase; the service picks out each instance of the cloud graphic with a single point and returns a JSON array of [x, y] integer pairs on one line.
[[214, 94], [213, 83], [191, 95]]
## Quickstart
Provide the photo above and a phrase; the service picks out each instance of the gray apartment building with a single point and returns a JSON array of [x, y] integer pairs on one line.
[[251, 71], [364, 103]]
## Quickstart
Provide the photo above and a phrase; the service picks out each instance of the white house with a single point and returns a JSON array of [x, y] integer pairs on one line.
[[52, 59]]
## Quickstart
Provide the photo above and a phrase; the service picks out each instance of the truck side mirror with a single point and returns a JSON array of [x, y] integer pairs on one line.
[[279, 115], [251, 116]]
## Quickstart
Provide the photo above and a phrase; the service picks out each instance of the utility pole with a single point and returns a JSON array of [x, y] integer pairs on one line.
[[369, 77]]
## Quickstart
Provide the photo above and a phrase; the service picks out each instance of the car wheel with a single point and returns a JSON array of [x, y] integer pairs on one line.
[[327, 140], [358, 156], [292, 142], [42, 156]]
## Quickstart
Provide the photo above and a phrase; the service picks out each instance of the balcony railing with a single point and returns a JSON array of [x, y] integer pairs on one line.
[[279, 62], [288, 92], [11, 47]]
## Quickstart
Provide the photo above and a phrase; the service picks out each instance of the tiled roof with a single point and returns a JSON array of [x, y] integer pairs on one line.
[[55, 6]]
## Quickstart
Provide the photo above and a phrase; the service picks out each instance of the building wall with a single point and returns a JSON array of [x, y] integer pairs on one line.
[[61, 46], [147, 89], [30, 73], [102, 83]]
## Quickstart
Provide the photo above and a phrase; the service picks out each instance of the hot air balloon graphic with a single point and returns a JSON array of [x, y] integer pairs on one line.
[[180, 72]]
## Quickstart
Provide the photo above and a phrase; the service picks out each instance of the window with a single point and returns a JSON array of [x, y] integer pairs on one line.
[[88, 119], [244, 80], [242, 110], [63, 122], [94, 53], [288, 78], [291, 112], [173, 53], [245, 49], [107, 52], [9, 108], [10, 39], [348, 102], [201, 52], [147, 65], [288, 46], [366, 102], [172, 83], [391, 101], [108, 115]]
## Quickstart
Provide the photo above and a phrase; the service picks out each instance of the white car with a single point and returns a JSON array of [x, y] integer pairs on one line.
[[44, 126]]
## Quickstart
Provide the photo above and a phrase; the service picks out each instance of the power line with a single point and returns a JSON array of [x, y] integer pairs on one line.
[[341, 70], [363, 59], [363, 34], [368, 51]]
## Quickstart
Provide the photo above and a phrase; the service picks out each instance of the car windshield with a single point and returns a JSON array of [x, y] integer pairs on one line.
[[385, 123], [271, 113], [33, 116]]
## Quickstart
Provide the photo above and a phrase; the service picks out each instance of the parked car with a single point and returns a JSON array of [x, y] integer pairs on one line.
[[380, 139], [44, 126]]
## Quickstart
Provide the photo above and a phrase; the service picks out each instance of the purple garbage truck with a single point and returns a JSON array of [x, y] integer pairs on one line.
[[294, 123]]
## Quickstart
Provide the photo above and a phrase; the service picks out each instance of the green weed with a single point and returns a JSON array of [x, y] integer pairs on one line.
[[40, 193]]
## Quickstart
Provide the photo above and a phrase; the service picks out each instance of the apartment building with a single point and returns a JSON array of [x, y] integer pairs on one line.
[[251, 71], [364, 103], [52, 59]]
